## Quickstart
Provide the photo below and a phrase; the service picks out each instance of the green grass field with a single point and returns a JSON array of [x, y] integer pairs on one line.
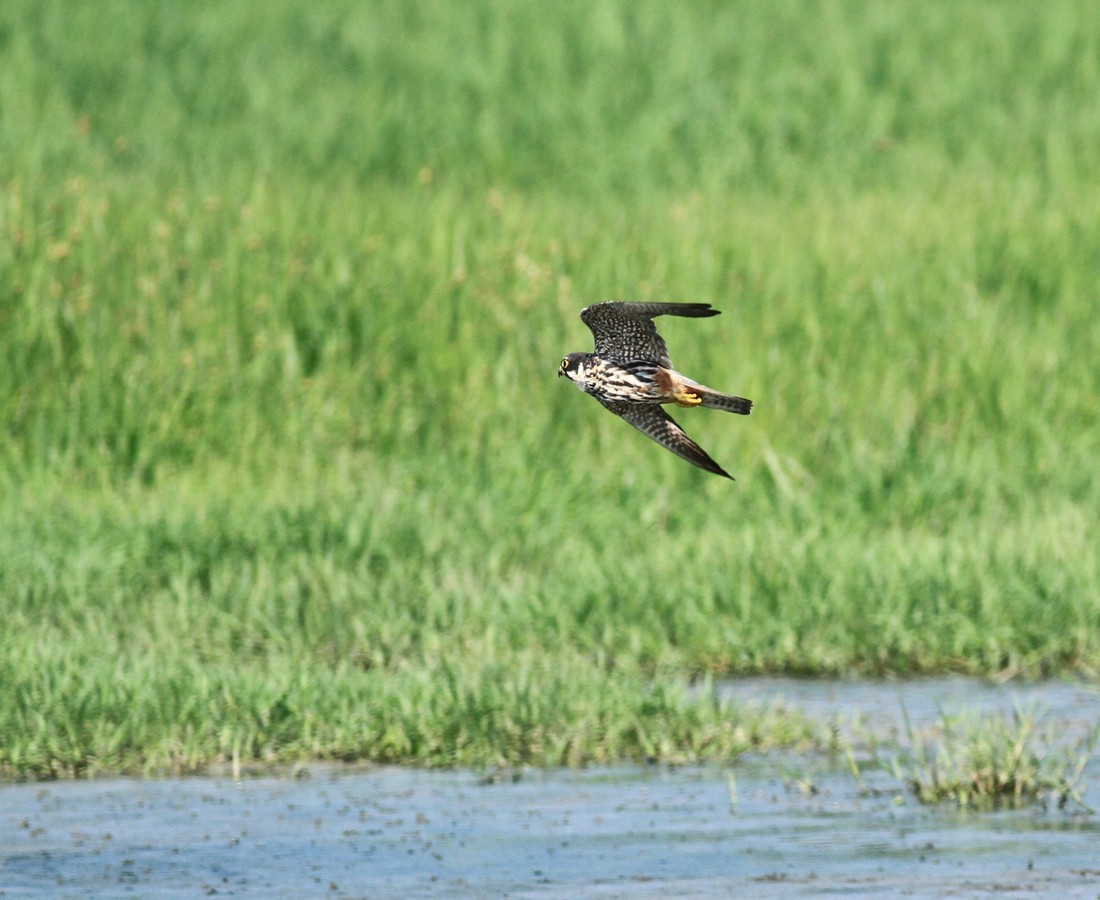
[[285, 469]]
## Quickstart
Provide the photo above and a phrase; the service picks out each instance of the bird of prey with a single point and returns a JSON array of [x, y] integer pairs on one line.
[[631, 374]]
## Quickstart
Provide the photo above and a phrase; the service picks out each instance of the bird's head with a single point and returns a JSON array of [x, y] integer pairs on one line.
[[573, 366]]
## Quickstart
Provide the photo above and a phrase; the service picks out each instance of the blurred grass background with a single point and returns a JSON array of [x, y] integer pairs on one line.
[[284, 467]]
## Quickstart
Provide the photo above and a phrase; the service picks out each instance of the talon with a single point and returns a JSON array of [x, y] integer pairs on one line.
[[687, 398]]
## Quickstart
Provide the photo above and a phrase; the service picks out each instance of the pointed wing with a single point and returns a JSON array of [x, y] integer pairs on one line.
[[625, 332], [652, 421]]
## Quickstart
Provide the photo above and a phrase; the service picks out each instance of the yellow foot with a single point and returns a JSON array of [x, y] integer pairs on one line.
[[684, 397]]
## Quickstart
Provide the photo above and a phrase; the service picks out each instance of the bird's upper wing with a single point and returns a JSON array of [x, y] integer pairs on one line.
[[625, 332], [652, 421]]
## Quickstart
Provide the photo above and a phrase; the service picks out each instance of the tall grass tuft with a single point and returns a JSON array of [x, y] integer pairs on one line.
[[996, 761]]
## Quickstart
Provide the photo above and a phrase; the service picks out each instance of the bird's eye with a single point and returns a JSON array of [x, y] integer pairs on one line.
[[564, 364]]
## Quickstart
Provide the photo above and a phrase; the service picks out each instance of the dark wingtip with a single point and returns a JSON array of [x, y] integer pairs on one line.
[[709, 465]]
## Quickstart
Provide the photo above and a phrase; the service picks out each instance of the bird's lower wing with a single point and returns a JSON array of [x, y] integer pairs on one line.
[[652, 421]]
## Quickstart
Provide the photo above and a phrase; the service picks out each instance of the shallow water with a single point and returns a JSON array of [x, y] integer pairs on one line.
[[883, 707], [619, 832]]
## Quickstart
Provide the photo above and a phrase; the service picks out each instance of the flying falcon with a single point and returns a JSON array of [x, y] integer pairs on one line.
[[630, 374]]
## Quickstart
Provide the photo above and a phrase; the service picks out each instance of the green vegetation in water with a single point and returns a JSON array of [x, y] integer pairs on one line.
[[986, 762], [285, 471]]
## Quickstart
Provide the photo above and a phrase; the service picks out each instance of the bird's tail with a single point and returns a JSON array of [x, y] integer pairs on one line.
[[717, 400]]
